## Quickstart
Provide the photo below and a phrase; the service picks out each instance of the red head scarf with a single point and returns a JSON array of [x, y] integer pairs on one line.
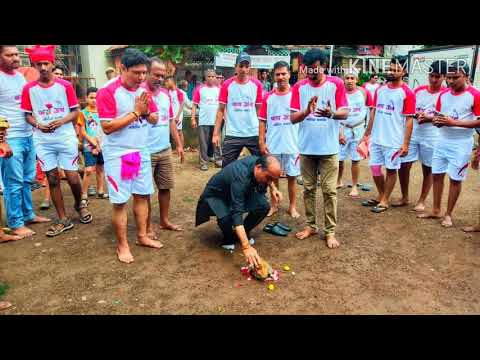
[[41, 53]]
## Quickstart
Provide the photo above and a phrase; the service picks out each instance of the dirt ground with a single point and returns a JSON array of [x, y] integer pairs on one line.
[[390, 263]]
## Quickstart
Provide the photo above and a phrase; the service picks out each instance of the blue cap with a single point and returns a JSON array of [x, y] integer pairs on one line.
[[243, 57]]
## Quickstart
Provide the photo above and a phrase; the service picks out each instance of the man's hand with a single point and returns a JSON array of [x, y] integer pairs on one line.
[[277, 195], [312, 105], [44, 128], [216, 140], [327, 112], [177, 120], [141, 103], [441, 120], [56, 124], [194, 123], [342, 139], [263, 148], [403, 150], [252, 256], [181, 154], [5, 150], [421, 118]]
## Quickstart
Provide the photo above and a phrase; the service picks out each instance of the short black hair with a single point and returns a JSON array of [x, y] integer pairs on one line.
[[5, 46], [314, 55], [133, 57], [58, 67], [219, 73], [438, 67], [372, 76], [91, 89], [459, 65], [280, 64]]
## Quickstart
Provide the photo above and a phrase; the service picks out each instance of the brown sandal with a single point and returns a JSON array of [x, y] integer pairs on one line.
[[85, 215], [59, 227]]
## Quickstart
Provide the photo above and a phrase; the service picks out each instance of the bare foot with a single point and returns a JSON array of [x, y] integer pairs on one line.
[[124, 254], [332, 242], [23, 232], [429, 215], [6, 237], [147, 242], [152, 235], [39, 220], [171, 227], [307, 232], [354, 192], [340, 185], [273, 211], [4, 305], [474, 228], [400, 203], [419, 207], [293, 213], [447, 221]]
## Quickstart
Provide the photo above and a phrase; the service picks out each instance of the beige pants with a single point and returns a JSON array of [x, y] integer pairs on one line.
[[327, 166]]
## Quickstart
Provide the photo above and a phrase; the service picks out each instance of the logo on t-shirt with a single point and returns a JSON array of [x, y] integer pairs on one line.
[[455, 115], [18, 98]]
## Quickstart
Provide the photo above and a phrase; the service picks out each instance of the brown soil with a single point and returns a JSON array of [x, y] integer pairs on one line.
[[390, 263]]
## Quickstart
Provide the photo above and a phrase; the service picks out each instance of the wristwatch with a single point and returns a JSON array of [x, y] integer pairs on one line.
[[331, 115]]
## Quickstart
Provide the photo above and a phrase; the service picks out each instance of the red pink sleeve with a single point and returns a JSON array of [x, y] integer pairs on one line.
[[340, 96], [180, 96], [223, 97], [375, 96], [106, 105], [262, 114], [438, 106], [259, 93], [476, 103], [152, 107], [26, 104], [369, 99], [196, 96], [295, 101], [409, 103], [71, 96]]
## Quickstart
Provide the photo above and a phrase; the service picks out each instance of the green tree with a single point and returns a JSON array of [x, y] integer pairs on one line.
[[175, 55]]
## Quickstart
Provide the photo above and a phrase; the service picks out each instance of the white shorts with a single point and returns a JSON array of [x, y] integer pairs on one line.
[[119, 190], [349, 150], [290, 163], [63, 154], [452, 158], [384, 156], [425, 154], [412, 156]]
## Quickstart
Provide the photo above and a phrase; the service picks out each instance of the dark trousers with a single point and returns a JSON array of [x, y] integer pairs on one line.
[[207, 150], [253, 218], [233, 146]]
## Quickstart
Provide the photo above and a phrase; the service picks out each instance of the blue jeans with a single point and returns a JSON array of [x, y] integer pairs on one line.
[[18, 173]]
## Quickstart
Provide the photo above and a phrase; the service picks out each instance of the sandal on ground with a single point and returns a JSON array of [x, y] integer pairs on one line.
[[85, 215], [379, 209], [283, 226], [274, 229], [58, 227], [370, 202], [102, 196], [91, 191]]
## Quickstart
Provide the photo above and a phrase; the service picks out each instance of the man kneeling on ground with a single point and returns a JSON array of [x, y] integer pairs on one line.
[[240, 188]]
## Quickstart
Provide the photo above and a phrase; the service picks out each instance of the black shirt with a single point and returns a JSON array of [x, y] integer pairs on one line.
[[236, 189]]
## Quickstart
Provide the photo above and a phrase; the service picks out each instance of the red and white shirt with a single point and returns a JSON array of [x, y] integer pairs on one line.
[[50, 103], [393, 105], [159, 133], [371, 88], [114, 101], [206, 97], [319, 135], [462, 106], [178, 97], [359, 102], [282, 135], [11, 86], [241, 100], [426, 102]]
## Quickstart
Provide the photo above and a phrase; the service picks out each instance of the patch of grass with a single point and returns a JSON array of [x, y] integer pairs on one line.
[[3, 289], [188, 199]]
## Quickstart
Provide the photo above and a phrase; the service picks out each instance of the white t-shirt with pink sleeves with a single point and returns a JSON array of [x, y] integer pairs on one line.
[[159, 133], [50, 103], [463, 106], [115, 101], [371, 88], [178, 97], [241, 100], [206, 98], [359, 102], [393, 105], [319, 135], [11, 86], [282, 135], [426, 102]]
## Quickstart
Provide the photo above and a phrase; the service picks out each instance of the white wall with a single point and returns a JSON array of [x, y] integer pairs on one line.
[[94, 62]]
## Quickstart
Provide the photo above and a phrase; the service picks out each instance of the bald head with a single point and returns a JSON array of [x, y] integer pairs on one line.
[[267, 169]]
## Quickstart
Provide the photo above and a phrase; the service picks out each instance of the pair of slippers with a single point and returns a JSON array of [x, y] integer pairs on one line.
[[277, 229], [377, 209], [363, 187]]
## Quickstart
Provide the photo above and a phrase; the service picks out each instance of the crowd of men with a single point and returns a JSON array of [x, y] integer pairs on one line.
[[308, 129]]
